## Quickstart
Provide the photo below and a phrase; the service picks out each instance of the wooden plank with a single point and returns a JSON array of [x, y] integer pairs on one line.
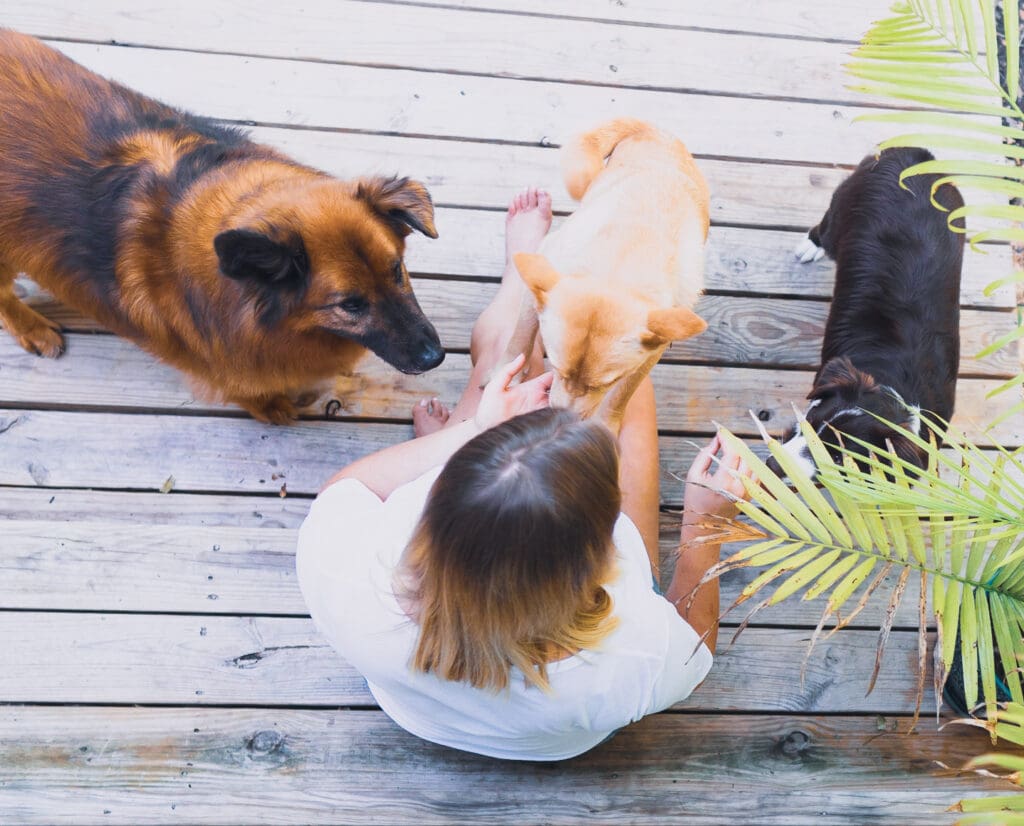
[[473, 174], [270, 513], [55, 449], [464, 41], [755, 332], [143, 452], [228, 766], [105, 372], [146, 552], [738, 261], [323, 95], [825, 21], [273, 661]]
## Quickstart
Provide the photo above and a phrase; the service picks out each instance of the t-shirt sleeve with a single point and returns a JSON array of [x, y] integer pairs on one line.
[[656, 627], [687, 662]]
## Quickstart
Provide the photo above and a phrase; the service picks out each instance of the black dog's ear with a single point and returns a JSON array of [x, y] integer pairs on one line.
[[404, 202], [247, 255], [906, 449], [837, 375]]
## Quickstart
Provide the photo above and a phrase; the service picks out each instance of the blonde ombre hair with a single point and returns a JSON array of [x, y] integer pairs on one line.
[[507, 563]]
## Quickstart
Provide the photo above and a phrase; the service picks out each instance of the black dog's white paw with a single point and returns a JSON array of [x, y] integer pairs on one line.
[[808, 251]]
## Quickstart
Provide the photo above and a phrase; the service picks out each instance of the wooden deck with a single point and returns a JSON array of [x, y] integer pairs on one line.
[[156, 661]]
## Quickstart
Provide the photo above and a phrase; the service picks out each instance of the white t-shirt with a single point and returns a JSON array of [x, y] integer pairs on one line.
[[348, 549]]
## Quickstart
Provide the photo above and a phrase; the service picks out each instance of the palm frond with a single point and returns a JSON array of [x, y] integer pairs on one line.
[[960, 533]]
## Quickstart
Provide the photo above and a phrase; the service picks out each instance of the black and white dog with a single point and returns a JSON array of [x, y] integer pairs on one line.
[[892, 340]]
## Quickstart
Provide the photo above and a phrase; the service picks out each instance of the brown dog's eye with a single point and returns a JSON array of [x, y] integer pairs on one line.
[[354, 305], [399, 273]]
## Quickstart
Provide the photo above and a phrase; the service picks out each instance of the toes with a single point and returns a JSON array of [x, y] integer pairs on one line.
[[544, 200], [43, 341], [531, 198]]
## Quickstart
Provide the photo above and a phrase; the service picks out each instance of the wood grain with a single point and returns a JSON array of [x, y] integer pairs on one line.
[[104, 372], [228, 766], [403, 102], [826, 21], [274, 661], [466, 41], [115, 551], [754, 332], [738, 261]]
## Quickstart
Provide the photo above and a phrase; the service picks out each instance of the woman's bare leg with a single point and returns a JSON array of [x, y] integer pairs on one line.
[[639, 467], [527, 222]]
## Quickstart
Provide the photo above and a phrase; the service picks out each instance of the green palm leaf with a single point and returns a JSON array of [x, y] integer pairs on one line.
[[961, 533]]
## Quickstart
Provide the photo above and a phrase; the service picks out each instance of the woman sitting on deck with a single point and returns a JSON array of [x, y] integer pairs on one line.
[[492, 578]]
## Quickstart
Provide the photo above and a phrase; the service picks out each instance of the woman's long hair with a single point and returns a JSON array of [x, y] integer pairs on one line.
[[507, 563]]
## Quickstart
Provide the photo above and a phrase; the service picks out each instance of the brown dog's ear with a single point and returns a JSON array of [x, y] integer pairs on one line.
[[673, 324], [402, 201], [537, 274]]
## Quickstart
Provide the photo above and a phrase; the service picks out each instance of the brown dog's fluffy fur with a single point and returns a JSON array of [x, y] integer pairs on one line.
[[255, 275], [616, 283]]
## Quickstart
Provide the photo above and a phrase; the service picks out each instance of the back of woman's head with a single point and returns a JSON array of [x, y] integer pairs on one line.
[[514, 544]]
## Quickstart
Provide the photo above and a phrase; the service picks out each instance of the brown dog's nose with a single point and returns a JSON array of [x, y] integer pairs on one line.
[[429, 356]]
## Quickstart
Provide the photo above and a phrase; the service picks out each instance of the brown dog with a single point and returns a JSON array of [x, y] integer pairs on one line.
[[253, 274], [614, 285]]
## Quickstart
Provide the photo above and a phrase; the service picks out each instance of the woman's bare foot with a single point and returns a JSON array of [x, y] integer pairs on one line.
[[527, 222], [428, 417]]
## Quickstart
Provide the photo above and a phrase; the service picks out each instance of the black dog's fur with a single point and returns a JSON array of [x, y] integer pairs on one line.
[[895, 315]]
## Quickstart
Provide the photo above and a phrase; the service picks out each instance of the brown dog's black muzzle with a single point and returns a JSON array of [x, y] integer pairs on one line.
[[404, 338]]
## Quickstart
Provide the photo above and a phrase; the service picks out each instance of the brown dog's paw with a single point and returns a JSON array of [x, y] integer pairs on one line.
[[271, 409], [42, 339]]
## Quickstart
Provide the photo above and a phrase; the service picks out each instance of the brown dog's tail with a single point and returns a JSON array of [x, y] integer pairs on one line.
[[583, 157]]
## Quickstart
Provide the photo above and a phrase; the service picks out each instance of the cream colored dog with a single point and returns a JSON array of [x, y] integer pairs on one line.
[[615, 284]]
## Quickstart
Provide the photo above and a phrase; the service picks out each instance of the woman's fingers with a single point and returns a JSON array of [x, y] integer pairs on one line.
[[702, 463], [508, 372]]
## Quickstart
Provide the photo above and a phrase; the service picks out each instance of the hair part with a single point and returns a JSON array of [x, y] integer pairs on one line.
[[507, 563]]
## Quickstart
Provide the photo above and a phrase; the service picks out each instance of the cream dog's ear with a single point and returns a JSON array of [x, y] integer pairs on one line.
[[537, 274], [673, 324]]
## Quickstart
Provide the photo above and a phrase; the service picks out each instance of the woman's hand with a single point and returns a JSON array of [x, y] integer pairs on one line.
[[701, 497], [501, 400]]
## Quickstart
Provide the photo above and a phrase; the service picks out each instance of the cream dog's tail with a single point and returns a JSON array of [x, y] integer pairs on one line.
[[583, 157]]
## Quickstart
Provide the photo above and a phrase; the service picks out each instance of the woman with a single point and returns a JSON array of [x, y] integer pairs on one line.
[[492, 579]]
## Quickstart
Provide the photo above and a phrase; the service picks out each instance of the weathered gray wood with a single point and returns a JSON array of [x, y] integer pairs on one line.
[[144, 451], [465, 41], [115, 551], [139, 508], [751, 331], [397, 101], [253, 766], [115, 375], [272, 661], [833, 21], [467, 174], [689, 397], [120, 566], [738, 260], [230, 766]]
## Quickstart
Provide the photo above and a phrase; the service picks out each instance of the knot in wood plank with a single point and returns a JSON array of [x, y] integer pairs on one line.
[[265, 742]]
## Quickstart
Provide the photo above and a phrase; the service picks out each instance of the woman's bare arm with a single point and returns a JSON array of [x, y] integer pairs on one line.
[[393, 466], [701, 500]]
